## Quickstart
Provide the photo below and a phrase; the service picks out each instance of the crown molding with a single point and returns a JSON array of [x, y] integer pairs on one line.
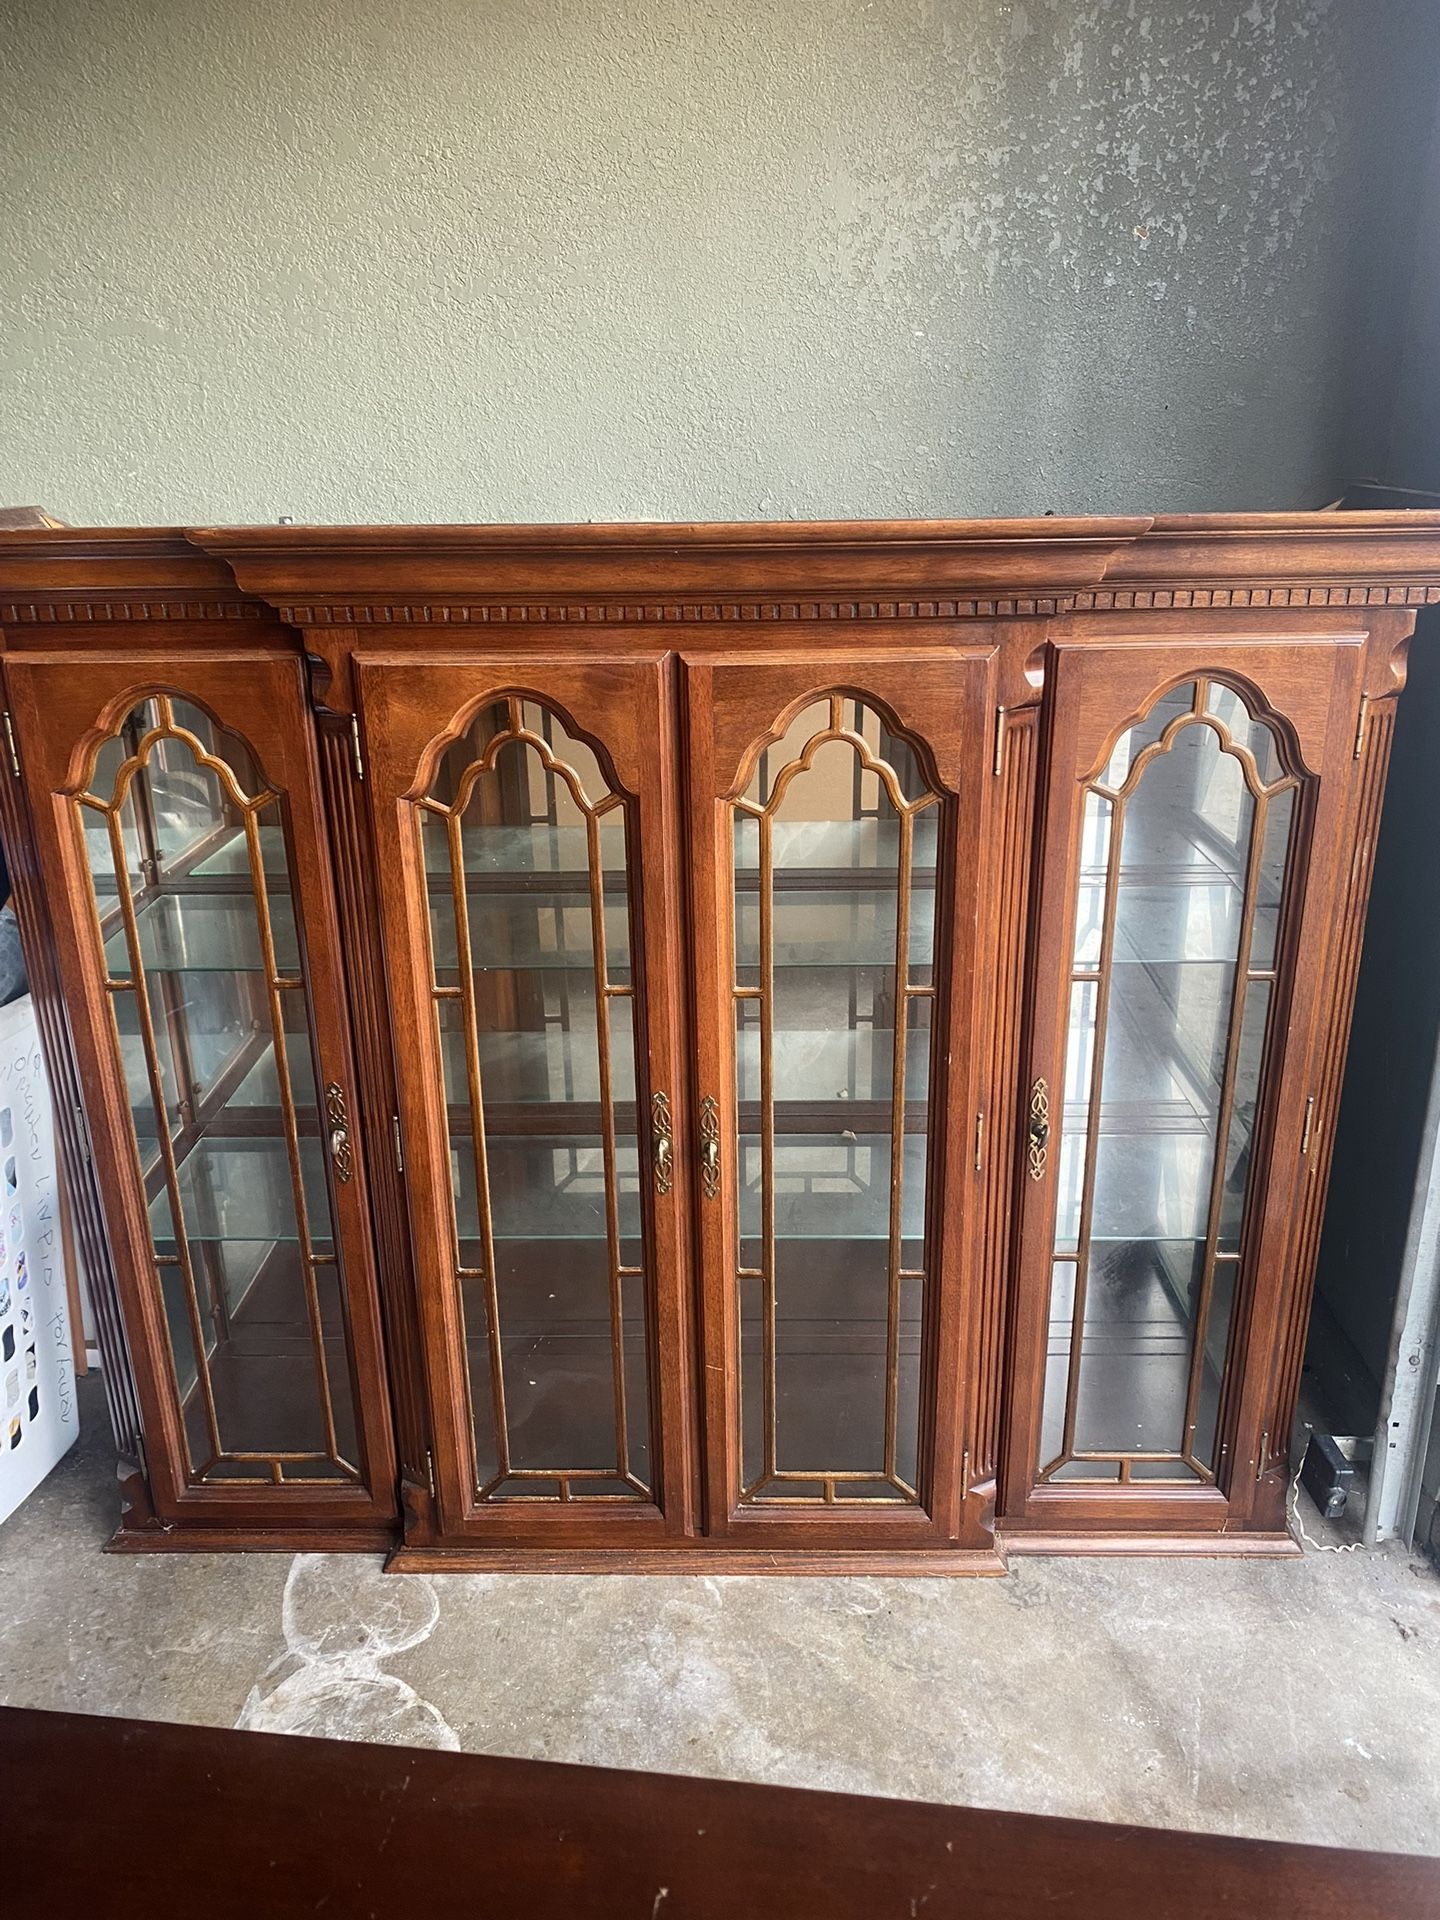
[[844, 572]]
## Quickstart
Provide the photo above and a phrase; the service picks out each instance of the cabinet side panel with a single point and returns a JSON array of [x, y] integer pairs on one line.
[[1012, 903], [1344, 969]]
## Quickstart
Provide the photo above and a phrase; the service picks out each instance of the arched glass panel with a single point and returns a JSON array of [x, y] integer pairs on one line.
[[204, 973], [1184, 848], [526, 861], [835, 847]]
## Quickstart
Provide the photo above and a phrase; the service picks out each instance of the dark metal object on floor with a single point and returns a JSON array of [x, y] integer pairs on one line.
[[1327, 1476]]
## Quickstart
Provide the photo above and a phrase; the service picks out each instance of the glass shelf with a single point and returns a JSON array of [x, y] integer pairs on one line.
[[546, 1188], [514, 852], [550, 1068], [1137, 1286], [824, 927], [558, 1068], [830, 1066], [1148, 1186], [870, 846], [228, 859], [261, 1086], [206, 933], [1166, 1039], [551, 1188], [232, 856], [538, 888], [828, 1187], [237, 1188], [1193, 921], [524, 935]]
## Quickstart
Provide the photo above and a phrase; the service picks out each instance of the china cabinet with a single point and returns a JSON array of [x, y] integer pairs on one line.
[[797, 1047]]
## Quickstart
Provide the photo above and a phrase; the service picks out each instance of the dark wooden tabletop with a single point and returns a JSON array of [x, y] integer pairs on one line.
[[123, 1817]]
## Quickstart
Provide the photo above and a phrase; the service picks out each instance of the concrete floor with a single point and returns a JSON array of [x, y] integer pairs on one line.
[[1290, 1699]]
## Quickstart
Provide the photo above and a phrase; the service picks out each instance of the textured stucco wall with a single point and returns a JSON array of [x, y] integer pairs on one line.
[[660, 258]]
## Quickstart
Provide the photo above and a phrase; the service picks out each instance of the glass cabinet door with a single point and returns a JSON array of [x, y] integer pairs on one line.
[[835, 868], [1175, 882], [835, 876], [538, 1101], [205, 934], [1184, 856]]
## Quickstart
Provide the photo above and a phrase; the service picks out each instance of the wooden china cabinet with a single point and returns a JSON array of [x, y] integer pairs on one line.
[[781, 1047]]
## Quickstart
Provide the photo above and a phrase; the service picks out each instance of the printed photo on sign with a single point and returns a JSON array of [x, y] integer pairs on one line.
[[37, 1385]]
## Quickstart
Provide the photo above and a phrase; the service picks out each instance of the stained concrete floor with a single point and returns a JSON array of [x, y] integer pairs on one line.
[[1290, 1699]]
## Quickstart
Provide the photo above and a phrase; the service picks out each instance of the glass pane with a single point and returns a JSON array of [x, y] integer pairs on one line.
[[213, 1031], [1274, 852], [1057, 1360], [1133, 742], [1094, 867], [1242, 1113], [1246, 731], [1162, 1082], [537, 1044], [1135, 1351], [833, 1040], [193, 932], [1163, 1470], [809, 722]]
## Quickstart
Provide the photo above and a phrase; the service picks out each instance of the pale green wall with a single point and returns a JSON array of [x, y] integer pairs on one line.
[[571, 259]]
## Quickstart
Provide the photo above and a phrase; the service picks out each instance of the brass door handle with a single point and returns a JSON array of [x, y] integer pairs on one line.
[[709, 1147], [336, 1112], [662, 1140], [1038, 1129]]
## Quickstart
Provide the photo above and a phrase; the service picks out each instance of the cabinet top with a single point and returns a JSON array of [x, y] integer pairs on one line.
[[656, 572]]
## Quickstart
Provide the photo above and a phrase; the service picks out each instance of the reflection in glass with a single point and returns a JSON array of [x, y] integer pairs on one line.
[[186, 846], [1185, 845], [834, 847], [524, 850]]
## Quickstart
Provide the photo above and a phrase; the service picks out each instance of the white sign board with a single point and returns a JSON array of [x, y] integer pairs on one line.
[[39, 1419]]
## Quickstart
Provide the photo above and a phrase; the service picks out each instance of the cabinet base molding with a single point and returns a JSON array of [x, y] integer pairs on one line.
[[1168, 1546], [297, 1539], [701, 1558]]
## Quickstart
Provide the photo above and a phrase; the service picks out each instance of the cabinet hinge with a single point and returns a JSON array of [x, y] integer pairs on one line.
[[1309, 1122], [10, 744], [965, 1475], [357, 758], [395, 1140], [1360, 724], [979, 1140], [430, 1471], [999, 740], [83, 1131], [1264, 1454]]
